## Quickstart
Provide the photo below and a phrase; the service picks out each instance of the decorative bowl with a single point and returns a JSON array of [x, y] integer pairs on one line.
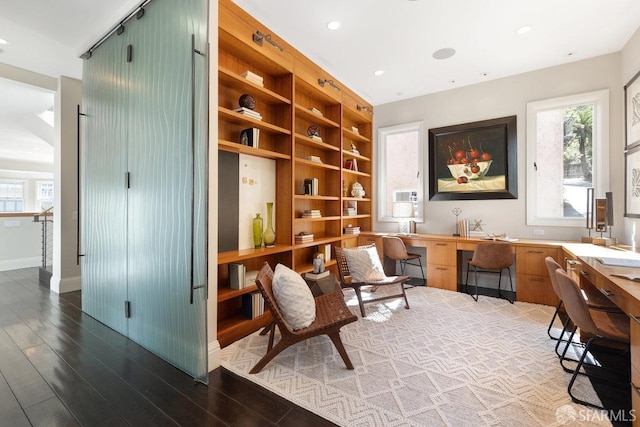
[[465, 170]]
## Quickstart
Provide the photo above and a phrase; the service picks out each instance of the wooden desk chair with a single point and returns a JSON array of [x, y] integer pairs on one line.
[[332, 313], [599, 325], [394, 249], [347, 282], [491, 257]]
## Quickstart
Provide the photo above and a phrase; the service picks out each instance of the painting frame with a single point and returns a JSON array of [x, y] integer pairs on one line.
[[487, 167], [632, 112], [632, 182]]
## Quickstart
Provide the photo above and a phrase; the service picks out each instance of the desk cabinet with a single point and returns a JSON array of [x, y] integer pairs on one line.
[[532, 276], [441, 265]]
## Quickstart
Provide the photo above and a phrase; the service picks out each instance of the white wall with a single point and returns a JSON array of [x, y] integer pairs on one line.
[[506, 97], [66, 272], [21, 243], [630, 59]]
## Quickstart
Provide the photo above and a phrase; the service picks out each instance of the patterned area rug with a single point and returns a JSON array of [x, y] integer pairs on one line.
[[448, 361]]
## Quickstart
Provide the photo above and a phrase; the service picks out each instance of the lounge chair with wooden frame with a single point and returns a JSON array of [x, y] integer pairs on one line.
[[347, 282], [332, 313]]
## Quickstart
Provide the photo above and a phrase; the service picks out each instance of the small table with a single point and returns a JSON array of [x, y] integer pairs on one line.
[[324, 285]]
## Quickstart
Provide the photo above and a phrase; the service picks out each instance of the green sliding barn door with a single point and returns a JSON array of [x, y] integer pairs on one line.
[[164, 184]]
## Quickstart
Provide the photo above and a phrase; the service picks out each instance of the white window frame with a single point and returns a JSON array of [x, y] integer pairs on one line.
[[23, 199], [381, 173], [600, 147]]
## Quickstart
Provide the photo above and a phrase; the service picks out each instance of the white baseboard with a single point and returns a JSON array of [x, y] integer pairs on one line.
[[213, 353], [15, 264], [68, 284]]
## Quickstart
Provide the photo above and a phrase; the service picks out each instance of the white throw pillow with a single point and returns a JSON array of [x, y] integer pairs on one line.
[[294, 298], [364, 264]]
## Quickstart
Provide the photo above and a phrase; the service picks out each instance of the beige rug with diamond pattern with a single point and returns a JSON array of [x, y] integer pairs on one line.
[[448, 361]]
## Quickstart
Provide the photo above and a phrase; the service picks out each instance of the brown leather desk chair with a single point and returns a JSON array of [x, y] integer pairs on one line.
[[595, 299], [394, 249], [332, 313], [599, 325], [491, 257]]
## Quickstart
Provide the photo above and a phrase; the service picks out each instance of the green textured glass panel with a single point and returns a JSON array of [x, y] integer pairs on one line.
[[147, 244], [104, 198], [161, 254]]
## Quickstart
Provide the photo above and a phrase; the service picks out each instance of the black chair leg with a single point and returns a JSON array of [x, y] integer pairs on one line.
[[475, 272], [553, 319]]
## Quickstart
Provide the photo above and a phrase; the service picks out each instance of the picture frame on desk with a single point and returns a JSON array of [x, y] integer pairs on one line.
[[632, 182], [474, 161], [632, 112]]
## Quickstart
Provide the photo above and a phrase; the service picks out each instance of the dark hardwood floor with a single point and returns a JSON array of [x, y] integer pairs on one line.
[[60, 367]]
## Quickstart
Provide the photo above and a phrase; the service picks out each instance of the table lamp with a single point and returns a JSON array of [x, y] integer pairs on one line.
[[403, 211]]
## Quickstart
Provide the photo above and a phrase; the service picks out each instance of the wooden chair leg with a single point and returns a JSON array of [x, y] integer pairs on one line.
[[359, 296], [404, 294], [337, 342], [270, 355]]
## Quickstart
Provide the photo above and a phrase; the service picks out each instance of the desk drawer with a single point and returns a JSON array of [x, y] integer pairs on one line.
[[442, 277], [441, 253], [530, 260], [536, 289], [606, 287]]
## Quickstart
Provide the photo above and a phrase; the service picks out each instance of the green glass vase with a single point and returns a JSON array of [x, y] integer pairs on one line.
[[257, 231], [269, 235]]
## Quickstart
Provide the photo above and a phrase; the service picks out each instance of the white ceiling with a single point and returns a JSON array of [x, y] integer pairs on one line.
[[397, 36]]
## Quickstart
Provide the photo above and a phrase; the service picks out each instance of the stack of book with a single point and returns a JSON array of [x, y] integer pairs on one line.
[[316, 159], [314, 110], [349, 211], [248, 112], [316, 276], [253, 78], [311, 213], [463, 228], [239, 277], [311, 186], [304, 237], [252, 305], [351, 230], [316, 138]]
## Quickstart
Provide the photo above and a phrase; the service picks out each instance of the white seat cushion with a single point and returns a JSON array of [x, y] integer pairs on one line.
[[294, 298], [364, 264]]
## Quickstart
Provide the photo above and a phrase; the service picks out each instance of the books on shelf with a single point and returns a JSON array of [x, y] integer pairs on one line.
[[311, 186], [315, 159], [314, 110], [252, 305], [349, 229], [316, 276], [326, 250], [316, 138], [311, 213], [248, 112], [355, 130], [250, 137], [250, 277], [236, 275], [349, 208], [351, 164], [253, 78], [303, 237]]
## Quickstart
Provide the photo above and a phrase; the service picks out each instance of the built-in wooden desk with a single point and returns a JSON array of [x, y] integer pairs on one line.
[[445, 262], [582, 260]]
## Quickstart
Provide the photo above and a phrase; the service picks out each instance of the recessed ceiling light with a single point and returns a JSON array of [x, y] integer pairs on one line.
[[333, 25], [524, 29], [452, 81], [484, 74], [378, 72], [444, 53], [3, 41]]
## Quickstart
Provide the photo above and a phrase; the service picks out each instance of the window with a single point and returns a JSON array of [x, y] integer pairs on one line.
[[567, 152], [399, 174], [45, 195], [11, 196]]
